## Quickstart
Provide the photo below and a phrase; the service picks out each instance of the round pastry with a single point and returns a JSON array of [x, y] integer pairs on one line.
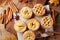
[[29, 35], [39, 10], [20, 26], [33, 24], [47, 22], [26, 12]]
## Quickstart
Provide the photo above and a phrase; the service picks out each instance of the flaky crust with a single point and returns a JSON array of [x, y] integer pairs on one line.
[[26, 12], [33, 24], [47, 22], [39, 10], [20, 26], [29, 35]]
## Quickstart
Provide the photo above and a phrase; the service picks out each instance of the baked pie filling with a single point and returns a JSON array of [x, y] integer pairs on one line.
[[20, 26], [47, 22], [33, 24], [29, 35], [39, 10], [26, 12]]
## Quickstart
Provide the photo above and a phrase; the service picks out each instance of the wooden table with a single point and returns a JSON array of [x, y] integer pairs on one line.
[[10, 26]]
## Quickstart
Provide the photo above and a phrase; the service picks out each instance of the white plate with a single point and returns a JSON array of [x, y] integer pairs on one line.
[[20, 35]]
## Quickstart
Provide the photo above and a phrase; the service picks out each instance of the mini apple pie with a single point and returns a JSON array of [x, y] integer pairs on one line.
[[20, 26], [29, 35], [26, 12], [47, 22], [33, 24], [39, 10]]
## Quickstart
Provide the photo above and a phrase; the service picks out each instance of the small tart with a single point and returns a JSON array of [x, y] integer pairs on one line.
[[26, 12], [39, 10], [47, 22], [20, 26], [29, 35], [33, 24]]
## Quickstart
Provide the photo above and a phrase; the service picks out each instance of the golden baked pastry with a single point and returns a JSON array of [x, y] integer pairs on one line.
[[20, 26], [39, 10], [26, 12], [47, 22], [33, 24], [29, 35], [55, 2]]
